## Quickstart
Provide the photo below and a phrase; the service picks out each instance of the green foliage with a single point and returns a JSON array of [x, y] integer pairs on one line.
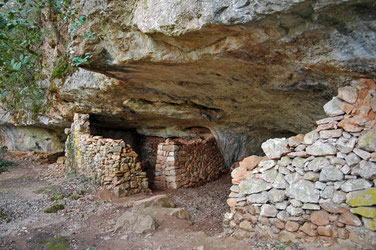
[[54, 208], [77, 61], [58, 243], [21, 36], [20, 64], [62, 68]]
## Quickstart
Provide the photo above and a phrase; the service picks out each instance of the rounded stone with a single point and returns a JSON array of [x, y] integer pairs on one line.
[[320, 218]]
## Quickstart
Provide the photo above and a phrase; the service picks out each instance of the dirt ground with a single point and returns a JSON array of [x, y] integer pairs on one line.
[[90, 213]]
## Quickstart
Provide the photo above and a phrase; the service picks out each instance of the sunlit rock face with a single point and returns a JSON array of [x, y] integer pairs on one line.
[[248, 70]]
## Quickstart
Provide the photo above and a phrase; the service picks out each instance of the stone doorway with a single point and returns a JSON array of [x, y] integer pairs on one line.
[[104, 153]]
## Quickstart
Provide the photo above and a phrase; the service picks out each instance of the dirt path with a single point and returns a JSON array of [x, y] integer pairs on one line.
[[89, 215]]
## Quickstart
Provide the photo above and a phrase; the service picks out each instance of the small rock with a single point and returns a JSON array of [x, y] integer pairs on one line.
[[320, 185], [337, 161], [309, 229], [362, 154], [285, 236], [321, 149], [329, 120], [275, 148], [303, 191], [293, 178], [246, 225], [296, 203], [267, 164], [260, 198], [231, 202], [369, 212], [309, 206], [317, 164], [291, 226], [366, 170], [367, 140], [324, 230], [268, 211], [295, 141], [250, 162], [270, 175], [348, 94], [278, 223], [355, 184], [311, 176], [320, 218], [362, 198], [334, 208], [332, 108], [352, 159], [345, 169], [276, 195], [350, 219], [281, 205], [335, 133], [369, 223], [253, 186], [298, 162], [311, 137], [283, 216], [345, 145], [328, 192], [330, 173], [294, 211], [284, 161], [339, 197], [280, 182]]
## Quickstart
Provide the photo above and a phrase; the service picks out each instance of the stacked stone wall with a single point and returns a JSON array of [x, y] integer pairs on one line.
[[188, 163], [111, 163], [317, 186]]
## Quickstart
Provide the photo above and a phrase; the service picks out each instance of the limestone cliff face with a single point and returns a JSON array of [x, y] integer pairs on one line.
[[246, 69]]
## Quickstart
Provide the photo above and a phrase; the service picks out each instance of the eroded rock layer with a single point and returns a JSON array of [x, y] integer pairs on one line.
[[241, 68]]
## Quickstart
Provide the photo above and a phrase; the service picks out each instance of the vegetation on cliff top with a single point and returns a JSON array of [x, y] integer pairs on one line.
[[25, 26]]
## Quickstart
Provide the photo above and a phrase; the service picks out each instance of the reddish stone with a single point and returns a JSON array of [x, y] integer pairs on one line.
[[250, 162], [349, 126], [327, 126], [334, 208], [279, 224], [238, 173], [292, 226], [346, 107], [320, 218], [350, 219], [324, 230], [232, 202], [295, 140], [309, 229]]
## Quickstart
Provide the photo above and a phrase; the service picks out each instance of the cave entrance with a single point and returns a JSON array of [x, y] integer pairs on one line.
[[170, 163], [145, 146]]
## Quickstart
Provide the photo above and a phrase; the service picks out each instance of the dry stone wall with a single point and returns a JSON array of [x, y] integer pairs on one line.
[[188, 163], [111, 163], [318, 185]]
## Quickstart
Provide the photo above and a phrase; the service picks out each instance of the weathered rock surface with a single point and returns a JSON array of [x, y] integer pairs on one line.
[[303, 191], [253, 186], [238, 68]]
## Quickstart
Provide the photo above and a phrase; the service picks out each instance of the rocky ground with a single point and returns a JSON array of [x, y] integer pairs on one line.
[[90, 214]]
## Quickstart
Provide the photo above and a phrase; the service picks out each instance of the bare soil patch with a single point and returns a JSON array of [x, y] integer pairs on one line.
[[90, 213]]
